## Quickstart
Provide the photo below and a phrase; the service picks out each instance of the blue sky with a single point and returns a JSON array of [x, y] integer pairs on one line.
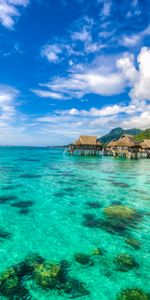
[[71, 67]]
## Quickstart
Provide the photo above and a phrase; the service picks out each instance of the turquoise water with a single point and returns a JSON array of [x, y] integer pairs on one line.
[[60, 190]]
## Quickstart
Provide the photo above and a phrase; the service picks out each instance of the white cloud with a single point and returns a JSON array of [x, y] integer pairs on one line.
[[139, 79], [134, 40], [9, 10], [93, 112], [52, 52], [77, 84], [94, 47], [68, 47], [130, 41], [47, 94], [83, 30], [127, 67], [106, 8], [7, 99], [141, 121], [134, 3], [84, 35]]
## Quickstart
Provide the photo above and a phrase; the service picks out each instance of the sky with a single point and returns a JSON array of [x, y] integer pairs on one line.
[[72, 67]]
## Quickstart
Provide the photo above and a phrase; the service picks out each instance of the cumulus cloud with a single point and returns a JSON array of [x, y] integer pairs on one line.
[[141, 121], [139, 78], [9, 10]]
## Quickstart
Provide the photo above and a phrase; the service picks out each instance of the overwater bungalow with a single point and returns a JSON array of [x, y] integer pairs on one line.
[[144, 149], [111, 147], [86, 145], [126, 146]]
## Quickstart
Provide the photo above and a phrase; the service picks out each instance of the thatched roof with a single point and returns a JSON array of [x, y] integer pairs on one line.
[[145, 144], [87, 140], [126, 140], [113, 143]]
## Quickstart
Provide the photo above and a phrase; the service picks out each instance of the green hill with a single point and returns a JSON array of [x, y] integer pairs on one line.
[[116, 133], [145, 134]]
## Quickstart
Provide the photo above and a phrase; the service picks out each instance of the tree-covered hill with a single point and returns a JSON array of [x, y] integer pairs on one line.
[[145, 134], [116, 133]]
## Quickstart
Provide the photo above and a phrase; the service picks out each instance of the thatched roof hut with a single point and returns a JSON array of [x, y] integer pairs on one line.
[[145, 144], [87, 140], [126, 140], [112, 144], [86, 145]]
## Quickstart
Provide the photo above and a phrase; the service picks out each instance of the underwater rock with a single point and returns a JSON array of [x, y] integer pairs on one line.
[[117, 219], [11, 187], [28, 159], [112, 225], [4, 234], [67, 174], [75, 288], [116, 203], [93, 204], [133, 243], [89, 216], [47, 275], [125, 262], [121, 212], [24, 211], [120, 184], [59, 194], [69, 189], [64, 270], [120, 216], [97, 252], [133, 294], [4, 199], [90, 221], [22, 204], [11, 287], [107, 266], [83, 259], [28, 266], [32, 261], [30, 176]]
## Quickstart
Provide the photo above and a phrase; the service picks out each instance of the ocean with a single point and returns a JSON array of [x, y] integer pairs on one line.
[[54, 206]]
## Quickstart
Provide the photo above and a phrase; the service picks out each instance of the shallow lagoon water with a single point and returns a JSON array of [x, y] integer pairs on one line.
[[55, 190]]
